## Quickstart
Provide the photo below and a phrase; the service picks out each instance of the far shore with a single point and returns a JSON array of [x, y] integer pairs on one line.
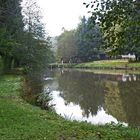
[[102, 64]]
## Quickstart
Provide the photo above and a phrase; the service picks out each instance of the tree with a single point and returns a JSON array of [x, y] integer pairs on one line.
[[11, 28], [81, 44], [36, 52], [89, 40], [23, 41], [119, 20], [66, 44]]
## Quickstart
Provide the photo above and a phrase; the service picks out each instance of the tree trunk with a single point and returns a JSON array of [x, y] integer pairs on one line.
[[137, 57], [7, 64], [16, 63]]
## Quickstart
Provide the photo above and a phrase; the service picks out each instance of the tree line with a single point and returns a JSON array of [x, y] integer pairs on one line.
[[81, 44], [113, 29], [23, 40]]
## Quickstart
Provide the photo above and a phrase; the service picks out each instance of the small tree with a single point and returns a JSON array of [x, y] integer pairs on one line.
[[66, 44]]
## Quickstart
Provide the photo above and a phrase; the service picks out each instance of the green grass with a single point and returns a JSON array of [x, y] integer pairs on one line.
[[135, 65], [22, 121], [105, 64], [120, 64]]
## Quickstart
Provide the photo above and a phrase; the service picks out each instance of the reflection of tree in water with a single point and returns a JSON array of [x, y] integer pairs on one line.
[[84, 89], [32, 86], [113, 101], [91, 91], [130, 95], [122, 100]]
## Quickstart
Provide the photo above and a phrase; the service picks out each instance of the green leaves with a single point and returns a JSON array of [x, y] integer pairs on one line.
[[67, 47], [118, 18], [23, 41]]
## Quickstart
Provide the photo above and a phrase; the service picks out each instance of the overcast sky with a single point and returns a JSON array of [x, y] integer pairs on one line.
[[61, 13]]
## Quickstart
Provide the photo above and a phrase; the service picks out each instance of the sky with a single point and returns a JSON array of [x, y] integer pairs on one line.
[[61, 13]]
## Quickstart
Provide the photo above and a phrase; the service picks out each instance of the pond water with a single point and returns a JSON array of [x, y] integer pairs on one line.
[[97, 98]]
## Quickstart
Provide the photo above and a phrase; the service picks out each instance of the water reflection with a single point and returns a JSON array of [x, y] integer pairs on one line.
[[96, 98], [74, 112], [32, 87]]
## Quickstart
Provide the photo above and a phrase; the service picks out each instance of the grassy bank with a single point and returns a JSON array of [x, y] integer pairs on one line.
[[22, 121], [110, 64], [103, 64]]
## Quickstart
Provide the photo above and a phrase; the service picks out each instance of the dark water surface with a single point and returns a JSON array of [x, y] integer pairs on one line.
[[96, 98]]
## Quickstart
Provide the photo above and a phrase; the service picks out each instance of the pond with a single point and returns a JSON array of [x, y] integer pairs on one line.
[[95, 97]]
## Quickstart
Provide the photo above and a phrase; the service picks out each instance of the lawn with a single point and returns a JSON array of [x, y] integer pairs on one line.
[[21, 121], [120, 64]]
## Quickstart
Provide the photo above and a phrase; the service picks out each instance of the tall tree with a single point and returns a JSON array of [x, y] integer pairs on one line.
[[11, 28], [89, 40], [120, 24], [36, 44], [23, 41]]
